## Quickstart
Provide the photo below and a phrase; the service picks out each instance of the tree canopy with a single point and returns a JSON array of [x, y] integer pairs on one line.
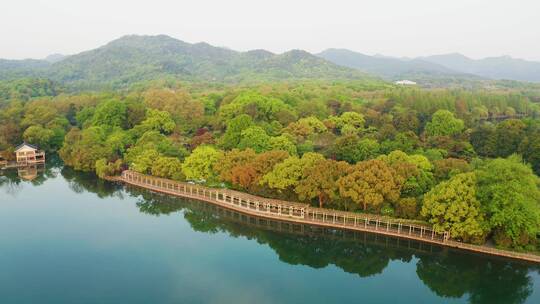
[[347, 145]]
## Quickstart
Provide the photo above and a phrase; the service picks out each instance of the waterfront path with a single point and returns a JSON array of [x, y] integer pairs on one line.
[[306, 214]]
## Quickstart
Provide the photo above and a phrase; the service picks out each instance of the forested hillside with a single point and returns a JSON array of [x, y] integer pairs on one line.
[[14, 69], [466, 162], [133, 59]]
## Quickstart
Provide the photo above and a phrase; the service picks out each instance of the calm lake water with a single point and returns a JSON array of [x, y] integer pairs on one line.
[[66, 237]]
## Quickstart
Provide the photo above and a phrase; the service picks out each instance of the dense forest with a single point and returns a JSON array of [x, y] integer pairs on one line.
[[466, 162]]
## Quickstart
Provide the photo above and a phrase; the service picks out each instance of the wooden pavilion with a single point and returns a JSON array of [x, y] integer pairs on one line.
[[28, 154]]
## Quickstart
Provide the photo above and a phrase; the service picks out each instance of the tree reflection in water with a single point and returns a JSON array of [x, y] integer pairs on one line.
[[84, 181], [448, 273]]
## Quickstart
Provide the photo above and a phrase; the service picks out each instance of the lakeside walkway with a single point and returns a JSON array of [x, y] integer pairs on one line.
[[306, 214]]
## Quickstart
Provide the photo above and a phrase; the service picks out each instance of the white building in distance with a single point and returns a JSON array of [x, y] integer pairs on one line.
[[405, 82]]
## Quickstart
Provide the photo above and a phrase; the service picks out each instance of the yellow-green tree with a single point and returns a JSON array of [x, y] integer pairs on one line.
[[444, 123], [168, 167], [199, 165], [452, 206], [160, 121], [289, 173], [143, 162]]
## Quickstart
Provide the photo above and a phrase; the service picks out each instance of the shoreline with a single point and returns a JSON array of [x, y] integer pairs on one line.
[[305, 214]]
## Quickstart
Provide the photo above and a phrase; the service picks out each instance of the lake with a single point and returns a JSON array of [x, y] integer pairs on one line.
[[67, 237]]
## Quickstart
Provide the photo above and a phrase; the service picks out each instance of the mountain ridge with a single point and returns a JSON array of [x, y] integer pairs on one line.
[[498, 67], [442, 65], [134, 58]]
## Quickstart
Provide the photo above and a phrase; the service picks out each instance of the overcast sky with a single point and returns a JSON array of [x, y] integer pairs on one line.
[[476, 28]]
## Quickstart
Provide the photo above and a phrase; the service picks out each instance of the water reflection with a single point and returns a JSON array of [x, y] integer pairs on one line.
[[11, 179], [446, 272], [484, 280], [80, 182]]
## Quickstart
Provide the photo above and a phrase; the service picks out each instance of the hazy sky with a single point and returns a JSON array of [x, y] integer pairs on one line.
[[476, 28]]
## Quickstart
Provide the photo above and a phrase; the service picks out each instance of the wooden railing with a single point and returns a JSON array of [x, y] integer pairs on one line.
[[296, 212], [303, 213], [314, 231]]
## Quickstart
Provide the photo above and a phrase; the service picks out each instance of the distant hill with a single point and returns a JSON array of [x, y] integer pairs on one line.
[[448, 67], [422, 71], [131, 59], [53, 58], [503, 67], [385, 66], [13, 69], [135, 58]]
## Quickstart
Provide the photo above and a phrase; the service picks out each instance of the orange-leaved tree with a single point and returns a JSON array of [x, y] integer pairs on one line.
[[370, 183]]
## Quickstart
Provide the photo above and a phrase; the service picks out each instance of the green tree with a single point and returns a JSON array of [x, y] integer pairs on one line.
[[508, 191], [198, 166], [82, 149], [118, 141], [444, 123], [254, 138], [84, 116], [282, 143], [530, 149], [143, 162], [156, 141], [105, 168], [510, 134], [452, 207], [349, 123], [403, 141], [136, 113], [160, 121], [39, 136], [259, 107], [168, 167], [37, 113], [484, 140], [368, 149], [347, 148], [235, 126], [288, 173], [110, 113]]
